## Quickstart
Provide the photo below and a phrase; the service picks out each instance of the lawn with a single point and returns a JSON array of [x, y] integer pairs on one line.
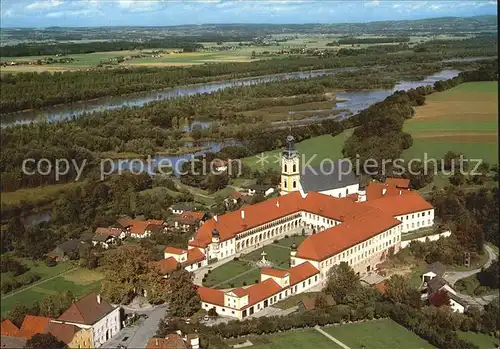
[[483, 341], [227, 271], [303, 339], [377, 334], [80, 282], [471, 286], [314, 149], [462, 119]]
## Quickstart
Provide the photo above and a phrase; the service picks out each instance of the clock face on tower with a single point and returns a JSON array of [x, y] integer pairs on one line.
[[289, 139]]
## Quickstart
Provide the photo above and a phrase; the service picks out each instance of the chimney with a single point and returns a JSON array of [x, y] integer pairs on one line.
[[156, 341], [400, 192], [215, 218], [277, 204], [242, 214], [384, 191], [99, 299]]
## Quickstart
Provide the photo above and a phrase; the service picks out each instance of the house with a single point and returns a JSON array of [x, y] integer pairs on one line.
[[219, 165], [64, 251], [106, 237], [73, 336], [190, 259], [433, 270], [93, 313], [180, 208], [139, 229], [438, 291], [260, 189], [309, 303], [175, 341], [189, 219]]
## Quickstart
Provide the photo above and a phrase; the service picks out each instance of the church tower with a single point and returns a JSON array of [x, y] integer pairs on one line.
[[290, 171]]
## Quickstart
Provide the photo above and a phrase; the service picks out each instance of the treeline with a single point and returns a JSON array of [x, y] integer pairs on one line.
[[188, 43], [36, 90], [350, 41], [380, 133]]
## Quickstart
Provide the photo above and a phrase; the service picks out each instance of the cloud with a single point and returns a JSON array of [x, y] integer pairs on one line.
[[372, 3], [75, 13], [42, 5]]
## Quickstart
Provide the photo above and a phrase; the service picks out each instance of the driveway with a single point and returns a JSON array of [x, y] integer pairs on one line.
[[138, 335]]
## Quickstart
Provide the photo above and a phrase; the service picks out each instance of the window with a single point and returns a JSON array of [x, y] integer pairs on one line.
[[284, 183], [294, 168], [286, 168], [295, 184]]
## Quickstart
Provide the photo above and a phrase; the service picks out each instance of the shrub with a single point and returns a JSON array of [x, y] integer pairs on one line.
[[256, 281], [244, 283], [232, 285], [212, 312], [209, 271], [275, 241], [236, 259], [286, 236]]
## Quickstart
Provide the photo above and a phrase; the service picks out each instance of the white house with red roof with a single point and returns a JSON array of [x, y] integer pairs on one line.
[[139, 229]]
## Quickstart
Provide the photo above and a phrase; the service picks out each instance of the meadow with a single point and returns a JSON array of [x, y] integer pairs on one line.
[[483, 341], [377, 334], [462, 119], [314, 149]]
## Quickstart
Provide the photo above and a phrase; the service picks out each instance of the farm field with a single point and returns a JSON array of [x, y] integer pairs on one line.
[[377, 334], [236, 273], [483, 341], [35, 196], [80, 281], [303, 339], [462, 119], [318, 148]]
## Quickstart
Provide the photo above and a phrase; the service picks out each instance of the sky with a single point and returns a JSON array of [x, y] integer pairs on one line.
[[78, 13]]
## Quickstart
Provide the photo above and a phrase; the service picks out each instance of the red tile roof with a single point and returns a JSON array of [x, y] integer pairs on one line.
[[87, 310], [7, 328], [260, 291], [211, 295], [63, 332], [239, 292], [194, 256], [395, 205], [341, 237], [274, 272], [189, 217], [172, 341], [380, 286], [139, 227], [108, 231], [166, 266], [398, 182], [302, 272]]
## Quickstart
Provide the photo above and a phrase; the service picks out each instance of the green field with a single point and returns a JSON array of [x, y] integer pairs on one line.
[[303, 339], [377, 334], [483, 341], [80, 282], [462, 119], [317, 148]]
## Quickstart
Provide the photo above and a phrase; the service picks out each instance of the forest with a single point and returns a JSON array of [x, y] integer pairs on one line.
[[350, 41], [36, 90]]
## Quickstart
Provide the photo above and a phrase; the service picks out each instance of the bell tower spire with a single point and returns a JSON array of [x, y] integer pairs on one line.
[[290, 172]]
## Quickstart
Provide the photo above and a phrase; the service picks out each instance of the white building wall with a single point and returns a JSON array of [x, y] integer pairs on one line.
[[106, 328], [417, 220]]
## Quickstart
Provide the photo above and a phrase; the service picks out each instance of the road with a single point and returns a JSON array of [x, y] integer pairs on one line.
[[453, 276], [39, 283], [137, 336]]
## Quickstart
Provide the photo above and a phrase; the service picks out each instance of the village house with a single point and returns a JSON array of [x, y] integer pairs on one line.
[[438, 291], [66, 250], [180, 208], [234, 199], [188, 220], [260, 189], [93, 313], [140, 229], [190, 259]]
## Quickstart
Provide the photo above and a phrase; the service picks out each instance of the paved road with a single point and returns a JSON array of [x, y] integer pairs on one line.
[[39, 283], [137, 336], [453, 276]]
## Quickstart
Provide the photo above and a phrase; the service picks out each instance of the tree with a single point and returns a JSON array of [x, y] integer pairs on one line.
[[45, 341], [54, 305], [397, 289], [17, 314], [320, 302], [342, 280], [182, 294]]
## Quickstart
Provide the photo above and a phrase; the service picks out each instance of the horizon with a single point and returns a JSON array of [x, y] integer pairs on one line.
[[165, 13]]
